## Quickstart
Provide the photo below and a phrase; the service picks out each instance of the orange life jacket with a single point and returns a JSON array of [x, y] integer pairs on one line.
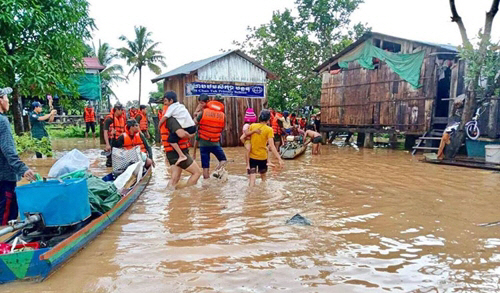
[[212, 122], [302, 123], [293, 121], [183, 143], [216, 106], [143, 125], [275, 125], [118, 125], [132, 113], [130, 143], [160, 115], [89, 115]]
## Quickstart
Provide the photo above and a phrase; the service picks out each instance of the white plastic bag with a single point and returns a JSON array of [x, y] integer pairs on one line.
[[135, 169], [72, 161]]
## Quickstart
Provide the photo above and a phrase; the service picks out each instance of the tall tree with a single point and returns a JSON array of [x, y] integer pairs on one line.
[[140, 53], [113, 72], [479, 65], [41, 47], [292, 47]]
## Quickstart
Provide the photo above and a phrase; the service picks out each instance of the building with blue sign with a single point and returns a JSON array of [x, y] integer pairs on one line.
[[237, 77]]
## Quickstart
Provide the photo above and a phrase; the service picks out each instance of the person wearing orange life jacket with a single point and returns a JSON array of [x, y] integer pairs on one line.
[[132, 112], [142, 119], [172, 125], [277, 126], [203, 99], [114, 126], [133, 137], [211, 122], [90, 117]]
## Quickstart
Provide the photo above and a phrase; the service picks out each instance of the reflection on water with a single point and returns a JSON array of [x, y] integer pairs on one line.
[[382, 221]]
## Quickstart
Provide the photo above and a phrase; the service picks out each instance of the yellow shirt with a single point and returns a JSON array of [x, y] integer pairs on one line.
[[286, 122], [259, 141]]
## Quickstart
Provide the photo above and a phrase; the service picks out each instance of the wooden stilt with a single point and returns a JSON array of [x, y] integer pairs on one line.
[[369, 141]]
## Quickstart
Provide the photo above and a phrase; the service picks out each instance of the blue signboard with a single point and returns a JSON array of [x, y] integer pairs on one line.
[[226, 90]]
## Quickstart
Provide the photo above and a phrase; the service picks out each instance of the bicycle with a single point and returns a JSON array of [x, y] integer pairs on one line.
[[472, 127]]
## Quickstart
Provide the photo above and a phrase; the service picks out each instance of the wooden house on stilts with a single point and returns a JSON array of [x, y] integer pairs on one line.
[[386, 84], [238, 78]]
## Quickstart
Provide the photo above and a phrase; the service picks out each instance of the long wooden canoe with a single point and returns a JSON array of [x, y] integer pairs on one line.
[[39, 264]]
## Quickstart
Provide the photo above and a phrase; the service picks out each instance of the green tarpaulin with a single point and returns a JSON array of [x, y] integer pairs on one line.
[[407, 66], [89, 86], [103, 196]]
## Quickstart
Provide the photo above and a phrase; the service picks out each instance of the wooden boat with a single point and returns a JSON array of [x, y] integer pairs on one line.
[[292, 150], [40, 263]]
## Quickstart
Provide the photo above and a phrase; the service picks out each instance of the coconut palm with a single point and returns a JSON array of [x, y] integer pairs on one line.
[[140, 53], [113, 72]]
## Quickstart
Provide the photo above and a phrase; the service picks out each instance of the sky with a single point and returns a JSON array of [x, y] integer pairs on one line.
[[196, 29]]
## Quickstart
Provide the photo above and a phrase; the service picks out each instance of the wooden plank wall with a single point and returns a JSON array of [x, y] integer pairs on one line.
[[235, 108], [378, 98]]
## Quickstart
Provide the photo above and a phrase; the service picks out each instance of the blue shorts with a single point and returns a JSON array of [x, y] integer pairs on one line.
[[205, 152]]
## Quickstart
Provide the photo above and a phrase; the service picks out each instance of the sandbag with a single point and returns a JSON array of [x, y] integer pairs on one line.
[[123, 158], [72, 161]]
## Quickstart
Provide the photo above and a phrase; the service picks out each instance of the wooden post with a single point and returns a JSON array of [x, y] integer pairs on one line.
[[493, 119], [361, 139], [410, 141], [324, 137], [369, 141], [157, 129], [393, 141], [101, 130]]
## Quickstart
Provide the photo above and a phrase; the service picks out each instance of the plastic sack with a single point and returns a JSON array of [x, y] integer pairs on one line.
[[133, 172], [72, 161], [123, 158]]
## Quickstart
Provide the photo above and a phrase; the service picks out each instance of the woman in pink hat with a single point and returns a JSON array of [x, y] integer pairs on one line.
[[250, 118]]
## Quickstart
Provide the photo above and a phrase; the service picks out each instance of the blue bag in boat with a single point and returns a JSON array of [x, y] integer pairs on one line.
[[60, 203]]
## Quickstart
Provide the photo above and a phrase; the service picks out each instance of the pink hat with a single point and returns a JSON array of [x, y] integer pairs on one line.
[[250, 116]]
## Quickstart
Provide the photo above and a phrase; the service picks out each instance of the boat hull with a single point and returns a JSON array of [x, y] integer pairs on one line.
[[39, 264], [290, 154]]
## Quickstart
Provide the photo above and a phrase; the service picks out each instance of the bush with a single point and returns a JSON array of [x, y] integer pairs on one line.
[[25, 143], [69, 132]]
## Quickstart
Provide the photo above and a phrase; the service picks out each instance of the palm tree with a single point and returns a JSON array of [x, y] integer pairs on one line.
[[142, 52], [113, 72]]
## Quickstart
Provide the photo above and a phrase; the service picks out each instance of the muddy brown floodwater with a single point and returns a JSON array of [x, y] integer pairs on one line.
[[381, 222]]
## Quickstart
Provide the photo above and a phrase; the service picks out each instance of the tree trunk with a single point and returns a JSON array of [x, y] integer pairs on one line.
[[458, 138], [17, 112], [140, 81]]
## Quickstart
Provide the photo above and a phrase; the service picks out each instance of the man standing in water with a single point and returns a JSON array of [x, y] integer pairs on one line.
[[211, 122], [11, 167], [90, 118], [189, 165], [259, 143], [315, 138]]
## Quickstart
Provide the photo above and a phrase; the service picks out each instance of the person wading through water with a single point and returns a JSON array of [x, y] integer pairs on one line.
[[211, 122], [315, 139], [142, 119], [90, 117], [114, 126], [171, 125], [259, 143], [133, 137], [11, 167]]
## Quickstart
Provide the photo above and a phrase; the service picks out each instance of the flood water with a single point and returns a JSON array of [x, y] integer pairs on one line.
[[381, 222]]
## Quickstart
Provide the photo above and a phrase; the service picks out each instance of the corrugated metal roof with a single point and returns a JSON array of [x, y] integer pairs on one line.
[[366, 36], [193, 66], [93, 63]]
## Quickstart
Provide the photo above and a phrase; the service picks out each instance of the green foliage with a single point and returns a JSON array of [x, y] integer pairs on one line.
[[158, 94], [69, 132], [73, 106], [42, 44], [484, 64], [292, 47], [24, 144], [140, 53]]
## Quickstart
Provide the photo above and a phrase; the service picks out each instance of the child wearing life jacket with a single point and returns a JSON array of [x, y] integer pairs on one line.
[[181, 114], [250, 118]]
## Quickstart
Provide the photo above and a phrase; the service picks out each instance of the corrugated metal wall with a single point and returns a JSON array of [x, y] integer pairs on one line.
[[232, 68]]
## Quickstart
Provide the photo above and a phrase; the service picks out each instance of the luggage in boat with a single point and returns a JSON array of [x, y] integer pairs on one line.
[[60, 203]]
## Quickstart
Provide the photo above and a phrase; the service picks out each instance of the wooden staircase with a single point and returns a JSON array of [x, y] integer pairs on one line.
[[429, 142]]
